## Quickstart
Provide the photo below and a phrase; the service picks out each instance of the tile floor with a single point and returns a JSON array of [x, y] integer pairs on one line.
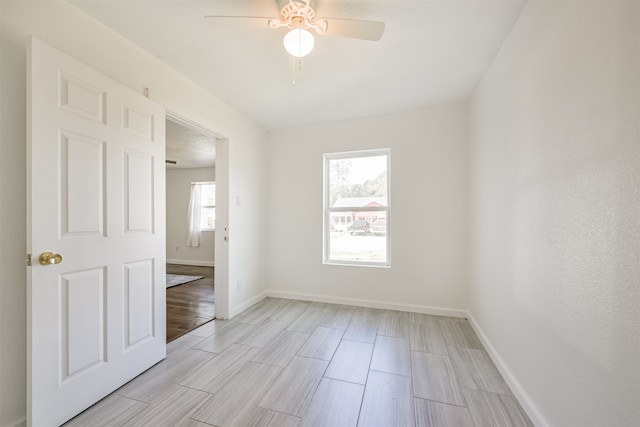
[[292, 363]]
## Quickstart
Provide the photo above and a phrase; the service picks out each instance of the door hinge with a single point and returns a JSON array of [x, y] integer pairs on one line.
[[28, 260]]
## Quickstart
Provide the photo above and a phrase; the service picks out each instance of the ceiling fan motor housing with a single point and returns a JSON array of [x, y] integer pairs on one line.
[[295, 10]]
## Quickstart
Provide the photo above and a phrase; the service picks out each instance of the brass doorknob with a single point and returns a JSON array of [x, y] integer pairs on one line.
[[48, 258]]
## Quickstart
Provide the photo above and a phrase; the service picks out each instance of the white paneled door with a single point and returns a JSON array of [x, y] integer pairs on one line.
[[96, 232]]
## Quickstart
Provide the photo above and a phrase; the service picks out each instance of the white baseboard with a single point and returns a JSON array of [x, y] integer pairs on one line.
[[248, 303], [369, 303], [517, 389], [191, 262]]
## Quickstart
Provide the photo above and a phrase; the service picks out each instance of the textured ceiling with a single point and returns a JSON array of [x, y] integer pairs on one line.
[[189, 148], [432, 53]]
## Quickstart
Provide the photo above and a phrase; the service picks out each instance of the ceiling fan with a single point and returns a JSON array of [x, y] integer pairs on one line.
[[300, 17]]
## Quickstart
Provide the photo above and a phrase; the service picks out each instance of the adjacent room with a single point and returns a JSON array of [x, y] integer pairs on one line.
[[320, 212], [191, 207]]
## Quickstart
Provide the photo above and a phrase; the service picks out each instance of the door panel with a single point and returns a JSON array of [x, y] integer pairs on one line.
[[82, 98], [82, 338], [96, 196], [138, 122], [138, 185], [139, 302], [82, 185]]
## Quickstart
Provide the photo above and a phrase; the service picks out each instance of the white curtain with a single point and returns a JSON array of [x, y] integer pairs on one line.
[[195, 209]]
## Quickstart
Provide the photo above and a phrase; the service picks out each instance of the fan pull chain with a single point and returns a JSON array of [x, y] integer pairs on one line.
[[296, 68]]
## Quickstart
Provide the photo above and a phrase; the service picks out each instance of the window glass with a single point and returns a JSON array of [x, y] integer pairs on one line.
[[208, 206], [357, 208]]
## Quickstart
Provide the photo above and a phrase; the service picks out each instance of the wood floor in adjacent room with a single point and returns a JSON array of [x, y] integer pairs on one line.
[[191, 304], [292, 363]]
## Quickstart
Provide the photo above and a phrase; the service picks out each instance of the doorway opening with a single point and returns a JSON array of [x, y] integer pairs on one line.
[[190, 210]]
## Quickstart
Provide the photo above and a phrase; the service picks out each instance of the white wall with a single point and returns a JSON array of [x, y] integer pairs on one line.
[[178, 194], [555, 161], [13, 332], [63, 26], [428, 212]]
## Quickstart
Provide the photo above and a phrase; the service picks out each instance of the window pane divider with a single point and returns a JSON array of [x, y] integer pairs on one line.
[[359, 209]]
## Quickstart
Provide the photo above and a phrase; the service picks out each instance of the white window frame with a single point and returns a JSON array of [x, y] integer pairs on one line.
[[202, 206], [328, 210]]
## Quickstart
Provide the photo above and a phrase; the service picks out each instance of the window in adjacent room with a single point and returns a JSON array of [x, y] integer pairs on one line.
[[356, 201], [202, 211], [208, 206]]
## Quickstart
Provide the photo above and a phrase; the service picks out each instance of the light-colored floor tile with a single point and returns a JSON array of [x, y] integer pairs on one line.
[[391, 355], [434, 379], [290, 310], [210, 328], [458, 332], [367, 311], [322, 343], [421, 318], [264, 333], [176, 406], [281, 349], [436, 414], [394, 324], [388, 401], [236, 398], [363, 328], [211, 360], [307, 322], [294, 388], [334, 404], [323, 306], [475, 370], [152, 383], [182, 344], [260, 312], [188, 422], [223, 339], [213, 375], [350, 362], [495, 410], [260, 417], [110, 411], [339, 319], [427, 339]]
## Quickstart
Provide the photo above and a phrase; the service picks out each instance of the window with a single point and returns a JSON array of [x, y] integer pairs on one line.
[[356, 201], [208, 206], [202, 211]]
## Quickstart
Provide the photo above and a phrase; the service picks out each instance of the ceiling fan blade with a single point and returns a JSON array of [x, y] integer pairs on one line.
[[353, 28], [244, 21]]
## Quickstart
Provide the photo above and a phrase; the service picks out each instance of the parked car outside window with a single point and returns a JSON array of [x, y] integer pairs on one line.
[[359, 226], [379, 227]]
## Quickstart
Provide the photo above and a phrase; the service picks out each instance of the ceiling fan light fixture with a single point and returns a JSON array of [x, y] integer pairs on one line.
[[298, 42]]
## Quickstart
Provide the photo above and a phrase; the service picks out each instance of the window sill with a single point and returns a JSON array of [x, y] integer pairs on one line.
[[356, 264]]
